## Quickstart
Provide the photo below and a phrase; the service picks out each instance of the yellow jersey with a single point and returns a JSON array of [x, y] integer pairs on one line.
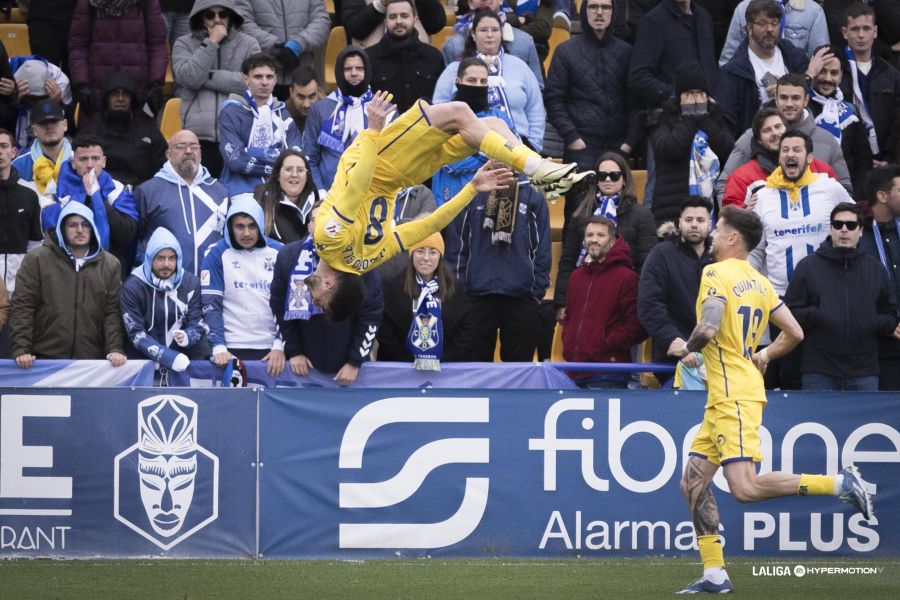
[[749, 300]]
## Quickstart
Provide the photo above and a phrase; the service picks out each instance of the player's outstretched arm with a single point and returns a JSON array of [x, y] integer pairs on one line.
[[791, 335]]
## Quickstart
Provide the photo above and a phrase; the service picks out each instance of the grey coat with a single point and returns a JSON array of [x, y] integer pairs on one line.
[[277, 21], [206, 72]]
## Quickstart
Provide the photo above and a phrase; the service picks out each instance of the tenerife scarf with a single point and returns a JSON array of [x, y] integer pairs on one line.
[[704, 167], [836, 114], [425, 340], [606, 207], [500, 214], [268, 130], [348, 119], [496, 92], [46, 173], [860, 102], [298, 301], [791, 188]]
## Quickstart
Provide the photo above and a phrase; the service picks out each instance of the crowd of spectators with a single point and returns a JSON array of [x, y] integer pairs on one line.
[[116, 243]]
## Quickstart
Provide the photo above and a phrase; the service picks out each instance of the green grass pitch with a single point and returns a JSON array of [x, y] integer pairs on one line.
[[439, 579]]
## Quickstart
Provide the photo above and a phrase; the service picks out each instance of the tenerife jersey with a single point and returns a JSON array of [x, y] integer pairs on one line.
[[749, 300], [794, 228]]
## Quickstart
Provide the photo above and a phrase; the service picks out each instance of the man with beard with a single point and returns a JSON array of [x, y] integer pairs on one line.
[[795, 208], [743, 183], [132, 143], [38, 168], [334, 121], [791, 99], [670, 278], [734, 304], [183, 198], [748, 79], [601, 323], [365, 20], [841, 119], [586, 95], [304, 92], [401, 63]]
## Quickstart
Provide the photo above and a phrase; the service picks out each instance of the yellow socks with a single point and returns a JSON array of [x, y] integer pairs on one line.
[[816, 485], [495, 146], [711, 551]]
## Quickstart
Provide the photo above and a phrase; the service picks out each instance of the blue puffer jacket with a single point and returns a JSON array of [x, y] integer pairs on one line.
[[153, 309]]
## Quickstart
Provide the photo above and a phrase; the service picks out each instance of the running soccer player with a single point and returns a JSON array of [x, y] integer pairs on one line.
[[354, 232], [734, 306]]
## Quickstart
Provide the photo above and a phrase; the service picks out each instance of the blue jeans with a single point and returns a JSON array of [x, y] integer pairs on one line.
[[817, 381]]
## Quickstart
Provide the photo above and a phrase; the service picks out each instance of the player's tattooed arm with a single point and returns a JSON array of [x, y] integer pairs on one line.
[[710, 318], [704, 511]]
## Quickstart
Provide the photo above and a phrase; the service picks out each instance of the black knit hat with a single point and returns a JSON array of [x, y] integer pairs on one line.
[[690, 76]]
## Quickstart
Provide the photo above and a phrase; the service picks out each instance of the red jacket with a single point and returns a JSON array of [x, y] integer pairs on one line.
[[741, 178], [601, 310]]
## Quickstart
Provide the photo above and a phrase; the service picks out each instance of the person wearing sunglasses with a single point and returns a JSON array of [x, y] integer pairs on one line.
[[841, 299], [614, 198], [206, 64]]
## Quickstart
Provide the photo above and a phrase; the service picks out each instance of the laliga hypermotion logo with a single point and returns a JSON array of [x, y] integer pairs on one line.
[[157, 478], [413, 473]]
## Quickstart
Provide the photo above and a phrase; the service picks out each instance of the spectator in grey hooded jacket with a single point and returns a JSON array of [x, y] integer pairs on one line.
[[206, 64]]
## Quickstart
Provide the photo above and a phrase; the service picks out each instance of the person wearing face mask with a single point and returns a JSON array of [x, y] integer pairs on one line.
[[287, 198], [438, 326], [134, 147], [615, 200], [512, 87], [334, 121]]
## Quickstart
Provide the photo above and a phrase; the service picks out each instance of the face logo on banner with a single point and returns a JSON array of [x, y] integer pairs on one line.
[[407, 482], [166, 485]]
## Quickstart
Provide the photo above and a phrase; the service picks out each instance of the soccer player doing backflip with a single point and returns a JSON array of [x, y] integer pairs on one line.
[[354, 232], [734, 305]]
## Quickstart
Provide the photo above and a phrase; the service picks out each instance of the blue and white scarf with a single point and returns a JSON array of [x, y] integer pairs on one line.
[[348, 119], [268, 129], [704, 167], [425, 339], [496, 92], [606, 207], [298, 301], [837, 114], [860, 102]]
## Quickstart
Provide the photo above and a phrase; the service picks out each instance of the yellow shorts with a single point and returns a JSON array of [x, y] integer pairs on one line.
[[411, 151], [730, 432]]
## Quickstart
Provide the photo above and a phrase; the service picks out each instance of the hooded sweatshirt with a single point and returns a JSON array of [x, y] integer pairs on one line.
[[153, 309], [67, 307], [194, 213], [235, 284]]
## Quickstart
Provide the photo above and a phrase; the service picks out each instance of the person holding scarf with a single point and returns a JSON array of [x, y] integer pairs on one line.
[[334, 121], [614, 199], [426, 312], [254, 128], [311, 340], [512, 87], [287, 198]]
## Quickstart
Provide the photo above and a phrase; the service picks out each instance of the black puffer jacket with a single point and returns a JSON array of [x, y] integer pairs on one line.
[[840, 297], [586, 95], [634, 224], [672, 136]]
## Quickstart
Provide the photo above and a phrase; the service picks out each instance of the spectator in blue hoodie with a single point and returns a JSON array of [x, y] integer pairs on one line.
[[185, 199], [236, 276], [161, 305], [254, 128]]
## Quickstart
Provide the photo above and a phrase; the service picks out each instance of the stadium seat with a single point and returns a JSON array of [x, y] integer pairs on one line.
[[555, 254], [645, 355], [337, 41], [640, 184], [439, 38], [169, 83], [557, 219], [12, 15], [329, 7], [556, 350], [171, 118], [451, 16], [75, 114], [15, 38], [557, 36]]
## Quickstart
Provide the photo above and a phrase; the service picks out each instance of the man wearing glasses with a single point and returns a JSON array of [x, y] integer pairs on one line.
[[185, 199], [795, 206], [841, 299]]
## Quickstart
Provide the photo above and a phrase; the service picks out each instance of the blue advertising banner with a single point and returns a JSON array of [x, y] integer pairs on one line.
[[375, 473], [119, 472]]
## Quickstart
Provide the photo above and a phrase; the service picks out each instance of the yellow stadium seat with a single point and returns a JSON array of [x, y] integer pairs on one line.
[[15, 38], [556, 350], [451, 16], [557, 36], [337, 41], [329, 6], [171, 118], [645, 355], [640, 184], [555, 254], [557, 219], [13, 16], [169, 83], [440, 38], [76, 113]]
